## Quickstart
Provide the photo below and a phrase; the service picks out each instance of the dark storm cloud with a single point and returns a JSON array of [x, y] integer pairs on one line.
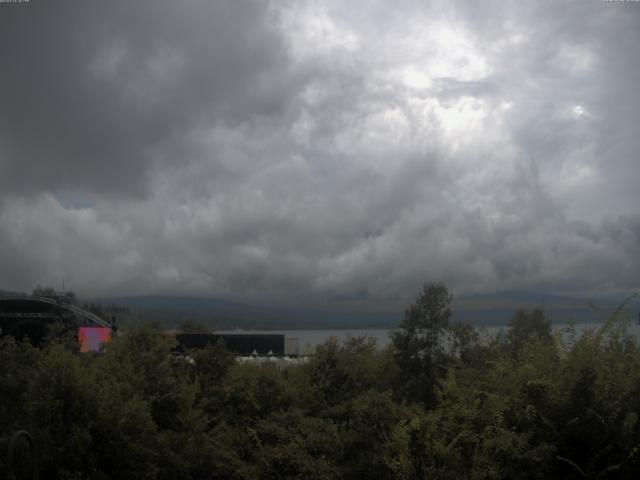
[[303, 151], [92, 92]]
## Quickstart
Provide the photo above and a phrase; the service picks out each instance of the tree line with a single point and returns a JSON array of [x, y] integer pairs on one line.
[[438, 403]]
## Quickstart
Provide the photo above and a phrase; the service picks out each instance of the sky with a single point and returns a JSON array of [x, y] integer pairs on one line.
[[319, 151]]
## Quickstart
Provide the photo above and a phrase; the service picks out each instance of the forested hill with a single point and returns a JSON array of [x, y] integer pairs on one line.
[[479, 310], [225, 314]]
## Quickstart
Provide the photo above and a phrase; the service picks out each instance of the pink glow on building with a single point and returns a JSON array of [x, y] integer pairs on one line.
[[92, 338]]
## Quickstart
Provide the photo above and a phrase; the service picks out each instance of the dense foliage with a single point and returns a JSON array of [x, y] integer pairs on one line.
[[439, 403]]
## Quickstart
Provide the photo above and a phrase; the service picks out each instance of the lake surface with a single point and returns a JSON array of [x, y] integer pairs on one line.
[[308, 340]]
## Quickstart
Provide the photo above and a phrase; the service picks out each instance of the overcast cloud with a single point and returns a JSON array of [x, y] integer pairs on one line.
[[302, 151]]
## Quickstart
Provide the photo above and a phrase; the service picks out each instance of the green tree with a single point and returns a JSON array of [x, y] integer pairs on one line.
[[527, 326], [418, 343], [339, 372], [292, 445], [367, 437], [209, 367], [193, 326]]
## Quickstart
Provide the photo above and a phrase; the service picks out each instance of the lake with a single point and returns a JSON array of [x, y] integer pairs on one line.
[[309, 339]]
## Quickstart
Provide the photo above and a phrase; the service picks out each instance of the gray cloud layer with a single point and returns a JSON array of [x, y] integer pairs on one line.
[[301, 151]]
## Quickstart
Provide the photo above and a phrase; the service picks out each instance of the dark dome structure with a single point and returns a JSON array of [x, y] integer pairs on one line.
[[33, 316]]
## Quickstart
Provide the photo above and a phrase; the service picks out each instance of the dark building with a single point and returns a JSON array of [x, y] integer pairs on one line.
[[241, 344]]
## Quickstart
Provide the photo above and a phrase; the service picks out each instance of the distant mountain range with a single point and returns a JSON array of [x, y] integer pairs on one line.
[[225, 314], [498, 308], [486, 309]]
